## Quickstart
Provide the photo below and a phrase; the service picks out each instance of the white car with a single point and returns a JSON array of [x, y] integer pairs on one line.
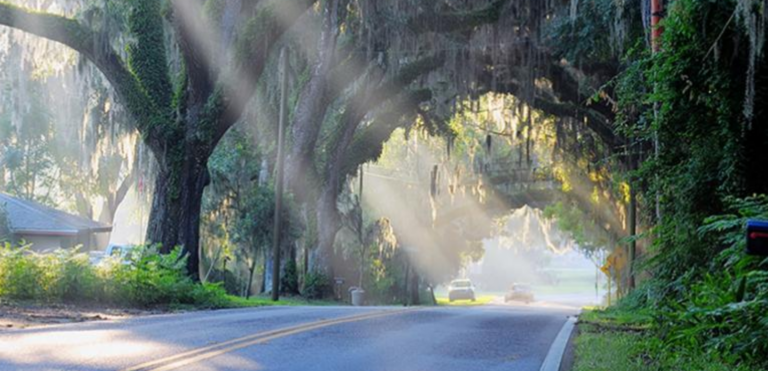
[[121, 252], [461, 289]]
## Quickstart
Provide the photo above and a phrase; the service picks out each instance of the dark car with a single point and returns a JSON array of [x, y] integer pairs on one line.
[[520, 292], [461, 290]]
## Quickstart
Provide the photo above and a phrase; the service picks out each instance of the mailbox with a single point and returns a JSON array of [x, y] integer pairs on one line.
[[757, 237]]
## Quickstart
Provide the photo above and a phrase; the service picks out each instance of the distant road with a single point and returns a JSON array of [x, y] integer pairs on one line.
[[494, 337]]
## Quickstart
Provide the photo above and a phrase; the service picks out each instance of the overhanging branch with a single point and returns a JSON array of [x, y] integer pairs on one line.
[[83, 40], [456, 21], [368, 144], [253, 46]]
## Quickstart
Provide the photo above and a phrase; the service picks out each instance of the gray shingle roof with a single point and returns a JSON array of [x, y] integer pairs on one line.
[[28, 217]]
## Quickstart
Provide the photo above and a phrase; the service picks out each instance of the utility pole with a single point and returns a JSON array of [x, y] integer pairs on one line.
[[279, 177], [657, 13], [361, 228], [632, 230], [360, 201]]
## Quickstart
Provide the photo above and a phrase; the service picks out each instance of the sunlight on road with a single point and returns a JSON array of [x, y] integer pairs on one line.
[[73, 346], [481, 300], [94, 348]]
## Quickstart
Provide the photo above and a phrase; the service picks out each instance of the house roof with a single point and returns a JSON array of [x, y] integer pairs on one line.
[[31, 218]]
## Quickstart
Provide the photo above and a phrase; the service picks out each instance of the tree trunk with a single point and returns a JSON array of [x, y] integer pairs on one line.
[[415, 299], [328, 220], [251, 272], [175, 216], [312, 106]]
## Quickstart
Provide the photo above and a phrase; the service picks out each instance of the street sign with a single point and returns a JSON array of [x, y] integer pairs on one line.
[[606, 269], [757, 237]]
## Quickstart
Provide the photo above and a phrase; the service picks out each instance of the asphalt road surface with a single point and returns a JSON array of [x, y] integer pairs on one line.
[[494, 337]]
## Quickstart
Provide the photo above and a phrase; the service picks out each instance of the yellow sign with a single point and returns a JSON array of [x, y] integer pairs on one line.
[[615, 262], [606, 269]]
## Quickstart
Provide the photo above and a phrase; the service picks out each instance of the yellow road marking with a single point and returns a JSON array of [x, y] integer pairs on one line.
[[207, 352]]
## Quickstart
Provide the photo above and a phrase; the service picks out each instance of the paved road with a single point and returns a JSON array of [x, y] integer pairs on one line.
[[487, 338]]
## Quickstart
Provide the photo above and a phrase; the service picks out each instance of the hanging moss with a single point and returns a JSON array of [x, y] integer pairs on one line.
[[257, 28], [214, 10], [754, 16]]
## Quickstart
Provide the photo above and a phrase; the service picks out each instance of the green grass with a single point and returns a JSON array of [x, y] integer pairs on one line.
[[262, 301], [623, 341], [481, 300]]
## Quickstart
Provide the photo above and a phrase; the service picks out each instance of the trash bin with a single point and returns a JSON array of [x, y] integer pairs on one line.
[[358, 297]]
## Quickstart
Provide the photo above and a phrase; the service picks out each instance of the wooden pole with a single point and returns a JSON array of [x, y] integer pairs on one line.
[[279, 177], [632, 233], [610, 278], [360, 232], [657, 13]]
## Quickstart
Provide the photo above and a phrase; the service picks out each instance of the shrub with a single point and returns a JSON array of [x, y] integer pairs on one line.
[[317, 285], [146, 279], [289, 282], [19, 274], [720, 309], [66, 276]]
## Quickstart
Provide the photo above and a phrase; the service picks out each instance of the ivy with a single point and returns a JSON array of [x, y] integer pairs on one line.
[[147, 57]]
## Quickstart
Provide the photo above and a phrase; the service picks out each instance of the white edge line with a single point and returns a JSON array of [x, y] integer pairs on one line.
[[557, 350]]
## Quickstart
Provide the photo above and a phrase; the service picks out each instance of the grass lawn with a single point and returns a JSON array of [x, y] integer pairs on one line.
[[481, 300], [262, 301], [623, 341]]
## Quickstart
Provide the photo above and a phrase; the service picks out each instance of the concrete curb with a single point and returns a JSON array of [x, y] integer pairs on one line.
[[556, 351]]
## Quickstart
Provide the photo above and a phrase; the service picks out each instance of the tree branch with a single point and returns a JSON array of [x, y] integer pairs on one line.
[[322, 88], [456, 21], [253, 48], [368, 144], [80, 38], [365, 101], [187, 14]]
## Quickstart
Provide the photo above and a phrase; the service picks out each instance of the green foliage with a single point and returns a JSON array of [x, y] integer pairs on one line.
[[289, 281], [716, 312], [28, 147], [239, 211], [696, 82], [317, 285], [620, 340], [385, 279], [147, 279], [722, 309], [597, 32], [148, 59], [590, 237], [19, 274]]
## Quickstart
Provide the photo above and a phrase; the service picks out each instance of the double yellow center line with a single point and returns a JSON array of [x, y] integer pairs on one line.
[[207, 352]]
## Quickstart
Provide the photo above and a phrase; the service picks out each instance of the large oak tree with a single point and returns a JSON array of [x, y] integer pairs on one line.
[[180, 118]]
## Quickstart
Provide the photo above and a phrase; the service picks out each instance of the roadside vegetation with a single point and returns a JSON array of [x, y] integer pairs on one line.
[[620, 340], [145, 280], [712, 318], [691, 117]]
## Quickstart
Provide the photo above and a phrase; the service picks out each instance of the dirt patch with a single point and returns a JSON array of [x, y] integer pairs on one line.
[[19, 315]]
